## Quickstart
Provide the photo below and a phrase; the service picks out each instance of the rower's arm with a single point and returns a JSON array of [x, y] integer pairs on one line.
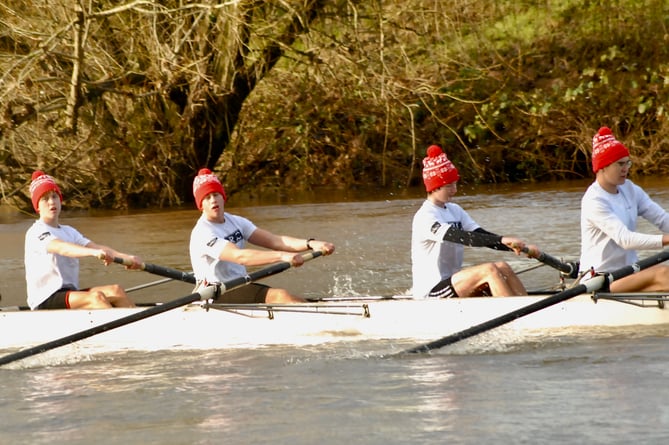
[[477, 238]]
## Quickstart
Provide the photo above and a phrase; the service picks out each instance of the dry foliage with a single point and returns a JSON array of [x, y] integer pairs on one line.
[[124, 102]]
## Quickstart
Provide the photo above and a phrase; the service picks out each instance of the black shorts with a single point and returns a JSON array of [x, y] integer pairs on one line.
[[250, 293], [58, 300], [444, 289]]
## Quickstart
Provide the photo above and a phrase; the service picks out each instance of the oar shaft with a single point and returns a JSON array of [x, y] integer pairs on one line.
[[210, 292], [267, 271], [503, 319], [190, 278], [160, 270], [570, 269], [205, 294], [591, 285]]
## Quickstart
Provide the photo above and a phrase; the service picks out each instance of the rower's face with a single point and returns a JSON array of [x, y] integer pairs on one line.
[[213, 206], [616, 173], [49, 205], [448, 191]]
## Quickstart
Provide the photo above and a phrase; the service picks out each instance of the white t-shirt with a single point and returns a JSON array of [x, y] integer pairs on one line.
[[608, 224], [208, 239], [432, 258], [48, 272]]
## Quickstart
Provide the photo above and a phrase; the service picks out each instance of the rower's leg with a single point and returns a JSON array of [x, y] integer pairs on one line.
[[275, 295], [498, 277]]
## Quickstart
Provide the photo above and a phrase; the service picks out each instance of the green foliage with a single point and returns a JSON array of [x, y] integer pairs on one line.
[[513, 92]]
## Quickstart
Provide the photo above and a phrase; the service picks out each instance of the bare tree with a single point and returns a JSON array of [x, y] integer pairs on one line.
[[157, 85]]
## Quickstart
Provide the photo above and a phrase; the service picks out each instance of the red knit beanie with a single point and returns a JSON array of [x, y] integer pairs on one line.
[[40, 184], [437, 169], [606, 149], [204, 183]]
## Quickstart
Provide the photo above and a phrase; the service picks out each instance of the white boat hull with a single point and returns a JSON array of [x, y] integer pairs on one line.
[[194, 327]]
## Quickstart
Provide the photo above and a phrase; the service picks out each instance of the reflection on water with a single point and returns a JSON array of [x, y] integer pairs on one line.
[[371, 230]]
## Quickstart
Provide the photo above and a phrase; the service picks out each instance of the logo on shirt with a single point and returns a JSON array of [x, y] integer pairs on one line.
[[235, 237], [44, 235], [212, 242], [437, 225]]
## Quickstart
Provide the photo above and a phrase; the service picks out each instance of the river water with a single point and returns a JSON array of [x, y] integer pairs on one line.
[[583, 387]]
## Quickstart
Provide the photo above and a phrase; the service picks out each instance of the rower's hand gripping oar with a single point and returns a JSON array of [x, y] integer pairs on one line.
[[569, 269], [160, 270], [207, 293], [596, 283]]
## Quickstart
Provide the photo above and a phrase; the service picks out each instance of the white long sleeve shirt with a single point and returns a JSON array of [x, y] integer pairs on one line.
[[608, 226]]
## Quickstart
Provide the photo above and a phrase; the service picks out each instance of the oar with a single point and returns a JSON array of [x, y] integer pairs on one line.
[[211, 292], [594, 284], [160, 270], [569, 269]]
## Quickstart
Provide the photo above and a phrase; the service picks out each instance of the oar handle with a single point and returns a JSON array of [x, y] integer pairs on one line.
[[235, 282], [570, 269], [160, 270], [266, 272]]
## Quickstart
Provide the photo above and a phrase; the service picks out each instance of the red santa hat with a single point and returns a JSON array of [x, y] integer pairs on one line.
[[606, 149], [437, 169], [40, 184], [204, 183]]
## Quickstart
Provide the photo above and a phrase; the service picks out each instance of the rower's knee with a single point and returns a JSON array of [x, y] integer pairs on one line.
[[97, 299], [116, 290], [663, 277], [491, 269], [281, 296], [503, 266]]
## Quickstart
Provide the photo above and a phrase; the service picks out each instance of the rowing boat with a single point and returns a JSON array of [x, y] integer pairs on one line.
[[215, 326]]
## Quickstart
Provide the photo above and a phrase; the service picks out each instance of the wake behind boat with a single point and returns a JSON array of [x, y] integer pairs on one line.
[[215, 326]]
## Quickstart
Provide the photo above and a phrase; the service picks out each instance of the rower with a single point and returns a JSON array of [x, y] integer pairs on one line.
[[441, 229], [52, 252], [610, 209]]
